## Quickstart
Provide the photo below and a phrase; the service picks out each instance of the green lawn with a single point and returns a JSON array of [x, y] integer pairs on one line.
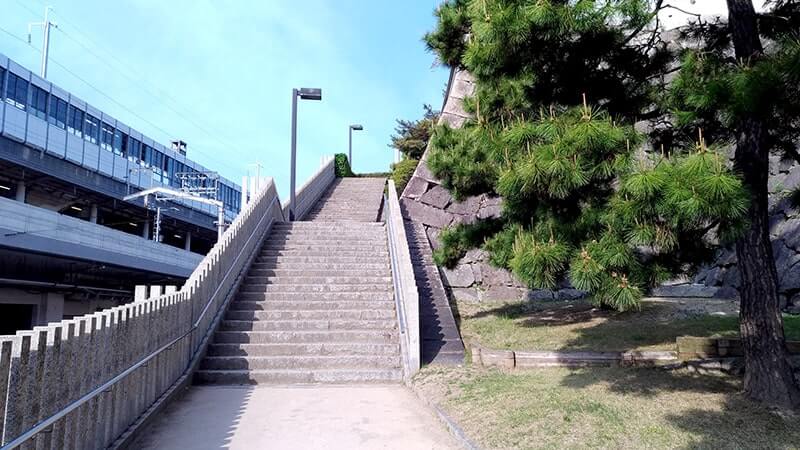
[[577, 325], [615, 408]]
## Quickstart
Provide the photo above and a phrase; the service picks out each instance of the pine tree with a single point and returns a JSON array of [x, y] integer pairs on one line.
[[582, 201], [749, 96], [411, 136]]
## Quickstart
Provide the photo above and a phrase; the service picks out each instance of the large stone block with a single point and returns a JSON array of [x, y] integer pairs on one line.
[[492, 276], [461, 276], [541, 295], [415, 188], [503, 293], [437, 196], [684, 290], [570, 294], [462, 88], [452, 120], [468, 206], [455, 106], [474, 255], [422, 171], [425, 214], [465, 294]]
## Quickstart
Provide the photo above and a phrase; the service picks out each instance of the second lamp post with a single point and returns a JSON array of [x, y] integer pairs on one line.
[[350, 147]]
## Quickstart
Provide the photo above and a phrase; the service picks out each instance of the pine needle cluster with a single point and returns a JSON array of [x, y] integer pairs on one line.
[[582, 200]]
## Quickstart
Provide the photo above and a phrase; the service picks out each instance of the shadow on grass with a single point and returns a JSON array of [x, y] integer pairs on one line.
[[729, 420], [578, 325]]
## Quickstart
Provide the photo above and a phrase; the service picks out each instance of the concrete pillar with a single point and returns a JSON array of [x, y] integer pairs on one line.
[[188, 244], [93, 214], [21, 189], [146, 229]]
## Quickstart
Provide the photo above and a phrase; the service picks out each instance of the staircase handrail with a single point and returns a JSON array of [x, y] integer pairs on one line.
[[405, 287]]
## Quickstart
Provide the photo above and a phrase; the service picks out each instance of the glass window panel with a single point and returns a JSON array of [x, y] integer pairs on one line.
[[119, 142], [106, 136], [38, 103], [16, 91], [2, 81], [92, 130], [75, 121], [58, 111]]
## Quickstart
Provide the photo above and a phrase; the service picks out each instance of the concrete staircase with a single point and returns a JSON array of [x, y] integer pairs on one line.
[[317, 305], [350, 200]]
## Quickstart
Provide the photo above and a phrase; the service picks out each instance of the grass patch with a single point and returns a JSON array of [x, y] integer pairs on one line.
[[604, 408], [577, 325]]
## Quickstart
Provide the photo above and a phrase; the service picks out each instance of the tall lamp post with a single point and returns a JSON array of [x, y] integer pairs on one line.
[[304, 94], [350, 146]]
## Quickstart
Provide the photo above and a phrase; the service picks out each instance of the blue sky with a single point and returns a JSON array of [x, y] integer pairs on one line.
[[219, 74]]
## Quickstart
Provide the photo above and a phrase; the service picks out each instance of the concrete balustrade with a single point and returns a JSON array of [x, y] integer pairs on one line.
[[90, 381], [312, 190], [405, 285]]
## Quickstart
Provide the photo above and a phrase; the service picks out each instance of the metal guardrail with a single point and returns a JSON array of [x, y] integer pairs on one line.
[[405, 287]]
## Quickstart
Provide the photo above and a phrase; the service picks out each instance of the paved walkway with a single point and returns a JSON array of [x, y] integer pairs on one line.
[[292, 417]]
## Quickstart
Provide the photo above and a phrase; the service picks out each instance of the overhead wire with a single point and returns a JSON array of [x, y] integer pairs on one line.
[[119, 104]]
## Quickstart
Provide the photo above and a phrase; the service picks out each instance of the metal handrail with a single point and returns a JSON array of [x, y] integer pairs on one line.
[[396, 280], [43, 425]]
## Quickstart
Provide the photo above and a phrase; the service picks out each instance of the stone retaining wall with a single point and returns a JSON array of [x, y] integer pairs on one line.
[[425, 201]]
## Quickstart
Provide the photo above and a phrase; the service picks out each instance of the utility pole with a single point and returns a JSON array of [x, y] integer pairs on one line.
[[46, 25]]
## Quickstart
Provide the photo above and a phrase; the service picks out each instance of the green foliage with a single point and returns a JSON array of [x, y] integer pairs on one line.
[[449, 39], [402, 172], [581, 200], [411, 136], [462, 160], [342, 166], [457, 240], [714, 93], [501, 247]]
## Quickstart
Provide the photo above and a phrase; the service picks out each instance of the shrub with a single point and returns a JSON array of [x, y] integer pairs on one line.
[[402, 172], [342, 166]]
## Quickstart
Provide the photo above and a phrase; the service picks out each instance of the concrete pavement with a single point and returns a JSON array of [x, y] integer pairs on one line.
[[296, 417]]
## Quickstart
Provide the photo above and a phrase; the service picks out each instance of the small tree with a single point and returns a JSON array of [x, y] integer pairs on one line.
[[580, 201], [411, 136]]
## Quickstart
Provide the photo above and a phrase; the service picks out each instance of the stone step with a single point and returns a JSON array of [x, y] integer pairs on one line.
[[349, 314], [284, 279], [306, 325], [241, 377], [311, 349], [324, 253], [333, 288], [303, 362], [323, 259], [332, 245], [298, 304], [343, 336], [378, 235], [315, 297], [317, 226], [258, 267], [331, 273]]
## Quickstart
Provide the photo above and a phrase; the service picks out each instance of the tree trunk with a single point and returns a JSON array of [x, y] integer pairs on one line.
[[768, 375]]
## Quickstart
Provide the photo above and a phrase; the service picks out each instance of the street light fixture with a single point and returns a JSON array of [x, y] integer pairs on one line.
[[305, 94], [350, 147]]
